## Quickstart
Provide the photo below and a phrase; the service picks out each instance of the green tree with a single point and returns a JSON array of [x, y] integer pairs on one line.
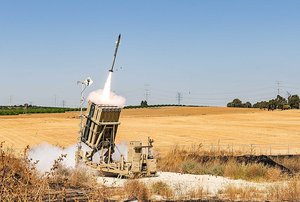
[[229, 104], [272, 104], [294, 101], [280, 102], [237, 103], [144, 103], [261, 105], [247, 105]]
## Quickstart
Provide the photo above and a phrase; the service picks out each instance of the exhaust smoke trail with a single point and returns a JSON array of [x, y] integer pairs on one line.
[[105, 96], [106, 89]]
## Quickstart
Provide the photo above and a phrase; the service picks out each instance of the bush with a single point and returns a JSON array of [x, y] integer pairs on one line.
[[194, 160], [252, 172], [242, 193], [161, 188], [18, 178], [289, 191], [137, 190], [20, 181]]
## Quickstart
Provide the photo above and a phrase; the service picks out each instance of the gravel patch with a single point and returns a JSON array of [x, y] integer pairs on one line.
[[182, 184]]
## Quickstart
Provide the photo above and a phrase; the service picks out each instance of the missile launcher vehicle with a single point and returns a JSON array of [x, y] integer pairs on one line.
[[97, 145]]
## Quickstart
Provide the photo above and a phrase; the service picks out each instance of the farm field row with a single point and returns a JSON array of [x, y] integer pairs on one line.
[[168, 126]]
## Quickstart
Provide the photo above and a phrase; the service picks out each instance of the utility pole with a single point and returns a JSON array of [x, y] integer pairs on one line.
[[10, 100], [179, 98], [55, 100], [63, 103], [278, 87], [147, 92]]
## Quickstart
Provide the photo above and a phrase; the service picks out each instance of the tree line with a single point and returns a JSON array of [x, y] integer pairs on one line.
[[31, 109], [292, 102]]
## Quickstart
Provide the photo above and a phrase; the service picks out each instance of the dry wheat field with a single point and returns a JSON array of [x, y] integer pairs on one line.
[[267, 131]]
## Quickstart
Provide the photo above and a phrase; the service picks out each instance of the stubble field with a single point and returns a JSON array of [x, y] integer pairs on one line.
[[214, 127]]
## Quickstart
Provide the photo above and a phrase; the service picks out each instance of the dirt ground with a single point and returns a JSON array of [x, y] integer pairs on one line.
[[214, 127]]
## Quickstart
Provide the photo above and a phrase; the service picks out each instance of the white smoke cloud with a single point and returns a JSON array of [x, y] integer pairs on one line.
[[120, 149], [105, 96], [46, 154], [98, 97]]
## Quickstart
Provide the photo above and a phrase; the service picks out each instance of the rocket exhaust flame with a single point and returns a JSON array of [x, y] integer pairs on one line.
[[106, 89], [105, 96]]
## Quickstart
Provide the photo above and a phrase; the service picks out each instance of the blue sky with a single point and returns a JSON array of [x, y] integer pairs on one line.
[[210, 51]]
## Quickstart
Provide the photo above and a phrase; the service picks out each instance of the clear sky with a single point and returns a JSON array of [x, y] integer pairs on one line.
[[210, 51]]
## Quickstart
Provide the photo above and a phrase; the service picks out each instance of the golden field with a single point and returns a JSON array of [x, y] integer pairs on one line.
[[232, 128]]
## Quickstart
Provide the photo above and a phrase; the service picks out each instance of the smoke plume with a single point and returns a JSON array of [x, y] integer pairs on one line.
[[46, 154], [120, 149], [98, 97], [105, 96]]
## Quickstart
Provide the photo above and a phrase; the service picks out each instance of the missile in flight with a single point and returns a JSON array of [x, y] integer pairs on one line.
[[115, 54]]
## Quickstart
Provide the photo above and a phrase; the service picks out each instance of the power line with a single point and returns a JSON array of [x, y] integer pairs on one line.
[[291, 87], [147, 92], [278, 87], [179, 98], [254, 91], [63, 103]]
